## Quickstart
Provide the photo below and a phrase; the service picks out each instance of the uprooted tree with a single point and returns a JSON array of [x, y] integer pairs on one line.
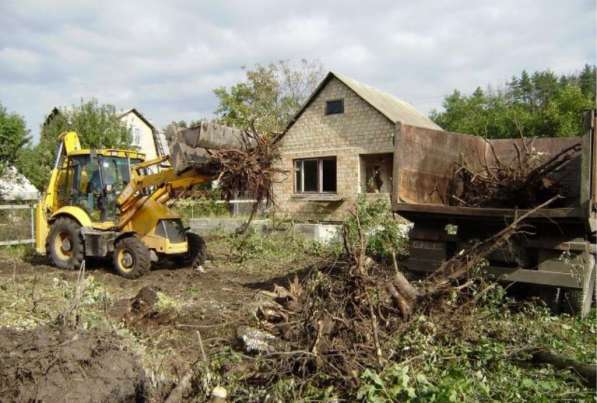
[[345, 316], [243, 161]]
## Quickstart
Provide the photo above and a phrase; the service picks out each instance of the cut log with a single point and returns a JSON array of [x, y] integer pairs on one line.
[[587, 372]]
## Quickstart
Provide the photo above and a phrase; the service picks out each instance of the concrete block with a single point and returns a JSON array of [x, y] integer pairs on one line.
[[224, 225]]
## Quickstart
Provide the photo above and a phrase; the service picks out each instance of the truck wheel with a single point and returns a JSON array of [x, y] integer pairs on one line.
[[131, 257], [196, 253], [64, 244]]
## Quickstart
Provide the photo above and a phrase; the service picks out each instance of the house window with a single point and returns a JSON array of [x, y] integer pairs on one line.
[[335, 106], [315, 175], [136, 136]]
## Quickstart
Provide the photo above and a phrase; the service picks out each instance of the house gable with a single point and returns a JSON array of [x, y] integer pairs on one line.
[[360, 125], [394, 109], [142, 132]]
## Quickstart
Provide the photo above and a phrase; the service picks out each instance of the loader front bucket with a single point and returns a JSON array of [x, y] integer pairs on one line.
[[190, 148]]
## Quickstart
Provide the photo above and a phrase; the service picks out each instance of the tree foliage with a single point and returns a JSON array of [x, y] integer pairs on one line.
[[98, 126], [270, 95], [541, 104], [13, 137]]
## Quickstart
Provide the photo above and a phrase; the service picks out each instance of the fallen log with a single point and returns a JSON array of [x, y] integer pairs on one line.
[[587, 372]]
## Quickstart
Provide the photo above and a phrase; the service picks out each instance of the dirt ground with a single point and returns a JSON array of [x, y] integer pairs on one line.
[[191, 305], [159, 323]]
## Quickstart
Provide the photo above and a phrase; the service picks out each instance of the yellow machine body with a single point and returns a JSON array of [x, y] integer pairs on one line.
[[140, 206]]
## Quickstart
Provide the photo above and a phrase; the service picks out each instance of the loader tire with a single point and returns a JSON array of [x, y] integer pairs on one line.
[[64, 244], [131, 257], [197, 252]]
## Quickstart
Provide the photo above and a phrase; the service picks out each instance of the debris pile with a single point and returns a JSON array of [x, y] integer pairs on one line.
[[523, 181], [344, 316]]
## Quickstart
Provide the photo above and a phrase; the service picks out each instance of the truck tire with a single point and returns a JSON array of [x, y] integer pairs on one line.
[[131, 257], [64, 244], [197, 252]]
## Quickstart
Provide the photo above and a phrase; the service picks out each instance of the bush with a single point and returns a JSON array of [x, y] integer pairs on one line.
[[385, 235]]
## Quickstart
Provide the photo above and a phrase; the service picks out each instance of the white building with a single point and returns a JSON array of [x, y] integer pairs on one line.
[[145, 136]]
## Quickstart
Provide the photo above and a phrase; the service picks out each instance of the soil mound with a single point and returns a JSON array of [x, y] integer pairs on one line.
[[49, 364], [142, 311]]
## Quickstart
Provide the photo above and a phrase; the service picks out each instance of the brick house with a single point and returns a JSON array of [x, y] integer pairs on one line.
[[339, 145]]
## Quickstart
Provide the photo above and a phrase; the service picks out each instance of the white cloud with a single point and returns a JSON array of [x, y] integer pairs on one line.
[[165, 58]]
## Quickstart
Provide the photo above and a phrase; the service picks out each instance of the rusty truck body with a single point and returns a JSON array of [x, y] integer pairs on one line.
[[560, 254]]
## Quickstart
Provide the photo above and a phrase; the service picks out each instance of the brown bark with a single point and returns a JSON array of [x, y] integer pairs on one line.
[[402, 283], [588, 372], [403, 304]]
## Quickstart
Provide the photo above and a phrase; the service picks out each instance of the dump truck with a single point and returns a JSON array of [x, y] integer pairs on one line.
[[558, 258], [113, 203]]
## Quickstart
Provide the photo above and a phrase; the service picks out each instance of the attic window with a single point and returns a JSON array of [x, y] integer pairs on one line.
[[334, 106]]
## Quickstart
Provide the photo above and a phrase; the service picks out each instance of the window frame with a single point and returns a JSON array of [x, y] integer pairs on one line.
[[300, 171], [328, 102], [136, 136]]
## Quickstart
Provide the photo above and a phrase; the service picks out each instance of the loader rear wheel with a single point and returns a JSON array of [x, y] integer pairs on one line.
[[131, 257], [64, 244], [196, 253]]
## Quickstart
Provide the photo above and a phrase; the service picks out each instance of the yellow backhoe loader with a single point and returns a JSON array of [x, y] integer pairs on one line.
[[113, 203]]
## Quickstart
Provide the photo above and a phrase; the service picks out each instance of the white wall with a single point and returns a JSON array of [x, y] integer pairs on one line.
[[142, 135]]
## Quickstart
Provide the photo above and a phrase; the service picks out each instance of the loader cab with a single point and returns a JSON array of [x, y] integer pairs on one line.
[[93, 180]]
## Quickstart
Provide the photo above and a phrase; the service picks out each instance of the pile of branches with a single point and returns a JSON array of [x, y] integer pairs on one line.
[[248, 170], [523, 182], [345, 317]]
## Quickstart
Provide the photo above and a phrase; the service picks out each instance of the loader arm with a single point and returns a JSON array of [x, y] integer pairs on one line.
[[159, 187]]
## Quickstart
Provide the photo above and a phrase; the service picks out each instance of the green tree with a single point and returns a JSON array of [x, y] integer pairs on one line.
[[534, 105], [13, 137], [98, 126], [270, 95]]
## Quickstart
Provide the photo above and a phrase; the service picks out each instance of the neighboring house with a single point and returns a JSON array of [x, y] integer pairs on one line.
[[338, 145], [145, 137], [15, 187]]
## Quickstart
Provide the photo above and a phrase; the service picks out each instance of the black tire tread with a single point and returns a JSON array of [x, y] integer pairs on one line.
[[78, 247], [140, 252], [197, 251]]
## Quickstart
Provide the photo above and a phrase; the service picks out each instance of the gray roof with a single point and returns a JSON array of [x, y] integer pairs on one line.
[[394, 109]]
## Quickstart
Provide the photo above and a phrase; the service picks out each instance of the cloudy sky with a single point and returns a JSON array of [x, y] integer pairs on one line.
[[166, 57]]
